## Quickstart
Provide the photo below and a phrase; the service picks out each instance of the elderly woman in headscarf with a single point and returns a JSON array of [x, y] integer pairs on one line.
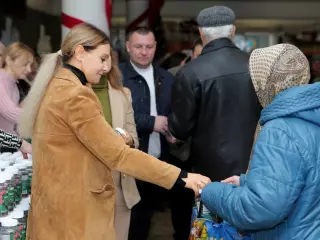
[[279, 197]]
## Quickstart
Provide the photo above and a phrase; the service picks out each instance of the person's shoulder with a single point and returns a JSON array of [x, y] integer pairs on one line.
[[189, 69], [163, 72], [126, 93], [174, 70]]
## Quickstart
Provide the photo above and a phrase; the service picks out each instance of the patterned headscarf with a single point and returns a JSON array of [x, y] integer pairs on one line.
[[275, 69]]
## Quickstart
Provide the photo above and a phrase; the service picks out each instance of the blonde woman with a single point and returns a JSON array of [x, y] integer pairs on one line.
[[75, 149], [17, 65], [117, 109]]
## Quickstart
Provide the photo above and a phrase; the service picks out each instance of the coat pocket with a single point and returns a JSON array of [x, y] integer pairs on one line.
[[104, 188]]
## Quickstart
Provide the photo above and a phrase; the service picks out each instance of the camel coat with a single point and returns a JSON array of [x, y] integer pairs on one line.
[[74, 151]]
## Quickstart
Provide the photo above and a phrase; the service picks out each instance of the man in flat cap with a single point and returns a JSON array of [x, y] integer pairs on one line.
[[214, 102]]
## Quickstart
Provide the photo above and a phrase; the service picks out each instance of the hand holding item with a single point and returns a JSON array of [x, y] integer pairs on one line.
[[232, 180], [126, 137], [25, 147], [196, 182], [170, 138], [161, 124]]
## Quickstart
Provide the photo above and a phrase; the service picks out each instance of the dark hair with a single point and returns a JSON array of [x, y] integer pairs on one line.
[[196, 43], [173, 60], [140, 30]]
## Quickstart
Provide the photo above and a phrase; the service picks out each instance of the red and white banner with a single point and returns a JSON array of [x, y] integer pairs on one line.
[[95, 12], [142, 12]]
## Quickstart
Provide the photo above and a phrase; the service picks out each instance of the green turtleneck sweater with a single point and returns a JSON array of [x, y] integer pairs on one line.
[[101, 90]]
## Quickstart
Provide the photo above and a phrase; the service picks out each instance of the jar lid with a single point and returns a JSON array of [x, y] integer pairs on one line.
[[2, 179], [25, 204], [10, 158], [19, 165], [9, 222], [6, 154], [17, 214], [4, 164], [12, 169], [17, 154], [7, 175], [19, 159], [3, 218], [28, 163]]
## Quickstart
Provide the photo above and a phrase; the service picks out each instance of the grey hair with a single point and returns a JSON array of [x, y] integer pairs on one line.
[[211, 33]]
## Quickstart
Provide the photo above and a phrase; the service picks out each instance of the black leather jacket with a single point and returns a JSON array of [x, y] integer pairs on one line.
[[214, 103]]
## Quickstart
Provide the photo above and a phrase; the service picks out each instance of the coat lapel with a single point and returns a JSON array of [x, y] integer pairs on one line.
[[116, 107]]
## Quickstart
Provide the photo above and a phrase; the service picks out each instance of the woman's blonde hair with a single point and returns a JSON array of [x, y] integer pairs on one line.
[[115, 77], [16, 50], [83, 34]]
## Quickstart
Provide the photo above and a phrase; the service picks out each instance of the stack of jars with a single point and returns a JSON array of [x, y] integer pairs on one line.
[[15, 190]]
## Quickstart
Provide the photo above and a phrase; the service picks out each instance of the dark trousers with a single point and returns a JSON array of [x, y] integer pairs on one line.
[[181, 200]]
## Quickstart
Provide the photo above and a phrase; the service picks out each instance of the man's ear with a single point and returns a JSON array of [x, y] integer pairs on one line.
[[234, 28], [128, 46], [201, 36]]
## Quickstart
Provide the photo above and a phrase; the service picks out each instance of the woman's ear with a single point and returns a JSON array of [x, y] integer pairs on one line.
[[79, 53]]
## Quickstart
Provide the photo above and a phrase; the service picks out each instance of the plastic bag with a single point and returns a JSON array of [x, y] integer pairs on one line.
[[208, 228]]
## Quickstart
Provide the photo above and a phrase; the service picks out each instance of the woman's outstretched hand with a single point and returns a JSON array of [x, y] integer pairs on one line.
[[196, 182]]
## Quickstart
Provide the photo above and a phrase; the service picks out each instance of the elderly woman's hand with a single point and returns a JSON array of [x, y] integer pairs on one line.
[[232, 180]]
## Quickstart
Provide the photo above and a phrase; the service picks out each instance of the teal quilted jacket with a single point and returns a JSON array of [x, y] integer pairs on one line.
[[279, 198]]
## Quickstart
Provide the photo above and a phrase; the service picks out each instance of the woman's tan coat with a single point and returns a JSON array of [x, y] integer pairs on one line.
[[73, 195]]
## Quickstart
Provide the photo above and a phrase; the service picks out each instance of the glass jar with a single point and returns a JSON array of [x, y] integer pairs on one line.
[[17, 183], [24, 173], [3, 192], [9, 197], [3, 165], [28, 165], [30, 172], [20, 168], [4, 155], [16, 154], [18, 215], [8, 230]]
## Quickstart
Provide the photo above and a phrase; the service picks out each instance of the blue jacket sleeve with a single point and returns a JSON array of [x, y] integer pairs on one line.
[[144, 122], [272, 185]]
